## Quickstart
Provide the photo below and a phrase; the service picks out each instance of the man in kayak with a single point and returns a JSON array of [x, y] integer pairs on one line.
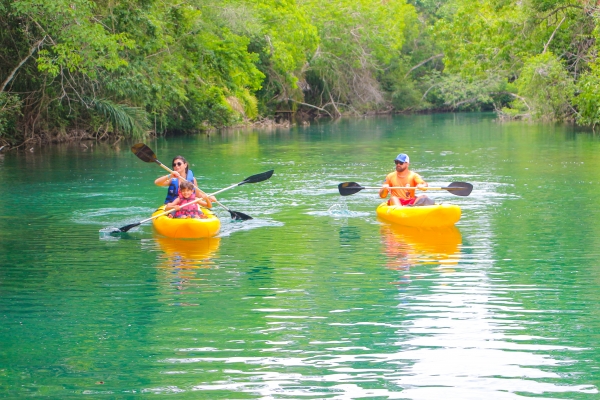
[[404, 177]]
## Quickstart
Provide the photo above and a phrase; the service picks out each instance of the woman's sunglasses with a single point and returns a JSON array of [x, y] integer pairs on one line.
[[177, 164]]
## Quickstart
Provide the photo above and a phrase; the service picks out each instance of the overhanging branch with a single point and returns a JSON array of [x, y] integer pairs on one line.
[[23, 61], [310, 105], [423, 62], [553, 33]]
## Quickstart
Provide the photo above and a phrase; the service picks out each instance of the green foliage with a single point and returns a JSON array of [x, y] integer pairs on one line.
[[485, 40], [289, 37], [201, 64], [80, 43], [249, 103], [359, 39], [205, 108], [481, 36], [547, 86], [131, 121], [429, 8], [10, 106], [453, 92], [406, 96], [283, 38], [588, 99]]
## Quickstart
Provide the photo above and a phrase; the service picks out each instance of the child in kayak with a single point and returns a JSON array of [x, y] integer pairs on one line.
[[182, 206]]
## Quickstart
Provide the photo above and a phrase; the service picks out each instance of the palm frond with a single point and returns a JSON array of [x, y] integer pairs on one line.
[[132, 121]]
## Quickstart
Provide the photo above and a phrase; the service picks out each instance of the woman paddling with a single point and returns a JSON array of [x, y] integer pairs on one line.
[[173, 181]]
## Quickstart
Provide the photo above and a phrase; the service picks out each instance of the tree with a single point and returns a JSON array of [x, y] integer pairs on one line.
[[359, 42], [517, 41]]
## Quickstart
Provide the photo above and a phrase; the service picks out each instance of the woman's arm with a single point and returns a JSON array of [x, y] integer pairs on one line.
[[163, 180], [166, 179]]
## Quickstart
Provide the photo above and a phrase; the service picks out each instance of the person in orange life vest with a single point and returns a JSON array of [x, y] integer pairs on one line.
[[402, 176], [182, 206]]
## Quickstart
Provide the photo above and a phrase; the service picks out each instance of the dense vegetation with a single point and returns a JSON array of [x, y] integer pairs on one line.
[[111, 68]]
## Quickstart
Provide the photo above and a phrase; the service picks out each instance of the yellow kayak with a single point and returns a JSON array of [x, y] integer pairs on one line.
[[435, 216], [186, 228]]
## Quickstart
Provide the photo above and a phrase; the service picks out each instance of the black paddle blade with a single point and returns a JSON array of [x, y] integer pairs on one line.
[[126, 228], [257, 178], [143, 152], [239, 216], [460, 188], [349, 188]]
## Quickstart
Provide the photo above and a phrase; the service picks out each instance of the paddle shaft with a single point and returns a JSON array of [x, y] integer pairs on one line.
[[212, 194], [191, 202], [411, 187], [456, 188], [166, 212]]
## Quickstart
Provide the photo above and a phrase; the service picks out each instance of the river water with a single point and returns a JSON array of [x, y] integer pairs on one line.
[[314, 297]]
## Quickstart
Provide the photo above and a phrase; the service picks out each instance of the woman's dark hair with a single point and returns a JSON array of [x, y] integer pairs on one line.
[[182, 158]]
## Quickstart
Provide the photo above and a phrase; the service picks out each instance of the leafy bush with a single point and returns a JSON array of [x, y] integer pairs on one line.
[[588, 99], [547, 86], [10, 106]]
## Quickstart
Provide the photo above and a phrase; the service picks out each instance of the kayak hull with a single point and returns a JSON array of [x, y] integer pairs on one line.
[[435, 216], [186, 228]]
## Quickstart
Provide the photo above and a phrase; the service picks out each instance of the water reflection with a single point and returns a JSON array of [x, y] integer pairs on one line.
[[462, 341], [455, 331], [180, 260], [349, 235], [297, 303], [407, 246]]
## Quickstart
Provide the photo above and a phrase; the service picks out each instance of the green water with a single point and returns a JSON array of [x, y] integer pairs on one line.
[[314, 297]]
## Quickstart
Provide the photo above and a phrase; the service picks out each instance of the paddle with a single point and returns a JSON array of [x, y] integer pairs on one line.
[[456, 188], [251, 179], [146, 154]]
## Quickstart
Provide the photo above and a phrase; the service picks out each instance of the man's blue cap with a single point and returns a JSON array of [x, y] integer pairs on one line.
[[402, 158]]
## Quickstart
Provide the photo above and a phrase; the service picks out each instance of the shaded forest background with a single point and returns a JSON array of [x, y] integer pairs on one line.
[[73, 69]]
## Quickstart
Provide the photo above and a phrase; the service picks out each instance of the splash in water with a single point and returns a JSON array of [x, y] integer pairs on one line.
[[109, 233], [340, 209]]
